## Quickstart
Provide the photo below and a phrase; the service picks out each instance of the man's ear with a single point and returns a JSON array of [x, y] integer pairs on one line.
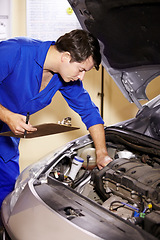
[[66, 57]]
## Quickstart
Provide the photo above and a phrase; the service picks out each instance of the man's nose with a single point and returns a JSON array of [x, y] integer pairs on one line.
[[81, 75]]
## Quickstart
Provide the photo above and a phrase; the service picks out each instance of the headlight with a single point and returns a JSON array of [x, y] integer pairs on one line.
[[20, 184], [28, 173]]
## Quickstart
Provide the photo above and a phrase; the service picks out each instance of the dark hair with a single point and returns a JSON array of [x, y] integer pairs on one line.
[[81, 45]]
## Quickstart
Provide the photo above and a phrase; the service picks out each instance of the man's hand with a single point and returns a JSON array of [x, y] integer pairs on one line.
[[98, 136], [16, 122], [103, 161]]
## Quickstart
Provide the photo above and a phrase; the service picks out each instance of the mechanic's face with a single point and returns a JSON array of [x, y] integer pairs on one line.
[[72, 71]]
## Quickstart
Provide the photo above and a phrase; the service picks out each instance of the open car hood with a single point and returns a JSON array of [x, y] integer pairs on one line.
[[128, 31]]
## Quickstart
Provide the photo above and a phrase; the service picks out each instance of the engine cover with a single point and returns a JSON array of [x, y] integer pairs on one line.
[[130, 179]]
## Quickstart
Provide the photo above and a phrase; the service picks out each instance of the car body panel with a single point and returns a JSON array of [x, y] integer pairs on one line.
[[42, 220]]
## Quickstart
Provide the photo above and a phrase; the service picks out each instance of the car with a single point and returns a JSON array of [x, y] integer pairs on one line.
[[64, 195]]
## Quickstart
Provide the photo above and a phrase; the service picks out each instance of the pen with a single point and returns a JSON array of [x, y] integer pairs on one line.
[[27, 120]]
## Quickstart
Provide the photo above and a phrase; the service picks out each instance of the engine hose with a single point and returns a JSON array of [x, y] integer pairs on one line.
[[83, 177], [123, 204]]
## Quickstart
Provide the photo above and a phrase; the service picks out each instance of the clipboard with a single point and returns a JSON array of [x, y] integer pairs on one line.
[[43, 130]]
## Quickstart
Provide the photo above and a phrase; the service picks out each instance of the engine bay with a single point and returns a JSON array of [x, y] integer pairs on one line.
[[129, 186]]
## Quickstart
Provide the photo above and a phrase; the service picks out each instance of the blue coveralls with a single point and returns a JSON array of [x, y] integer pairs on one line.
[[21, 68]]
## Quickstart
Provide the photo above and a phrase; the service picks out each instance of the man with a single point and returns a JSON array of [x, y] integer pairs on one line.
[[31, 72]]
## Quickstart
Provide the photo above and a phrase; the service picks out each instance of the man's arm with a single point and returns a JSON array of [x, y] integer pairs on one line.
[[16, 122], [98, 136]]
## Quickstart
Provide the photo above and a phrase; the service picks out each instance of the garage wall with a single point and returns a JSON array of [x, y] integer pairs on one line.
[[116, 107]]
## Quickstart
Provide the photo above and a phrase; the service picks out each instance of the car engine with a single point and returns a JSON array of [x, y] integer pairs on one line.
[[129, 186]]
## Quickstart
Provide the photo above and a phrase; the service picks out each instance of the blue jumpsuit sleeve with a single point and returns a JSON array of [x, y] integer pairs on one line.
[[9, 55], [79, 100]]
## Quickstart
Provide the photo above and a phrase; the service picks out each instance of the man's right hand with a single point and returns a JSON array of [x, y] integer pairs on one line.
[[16, 122]]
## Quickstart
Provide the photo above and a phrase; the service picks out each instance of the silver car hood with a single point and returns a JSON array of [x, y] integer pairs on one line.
[[128, 32]]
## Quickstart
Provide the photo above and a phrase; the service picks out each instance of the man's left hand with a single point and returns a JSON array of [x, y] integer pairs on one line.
[[103, 161]]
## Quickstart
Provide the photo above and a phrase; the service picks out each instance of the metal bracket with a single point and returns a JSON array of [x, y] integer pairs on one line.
[[130, 91]]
